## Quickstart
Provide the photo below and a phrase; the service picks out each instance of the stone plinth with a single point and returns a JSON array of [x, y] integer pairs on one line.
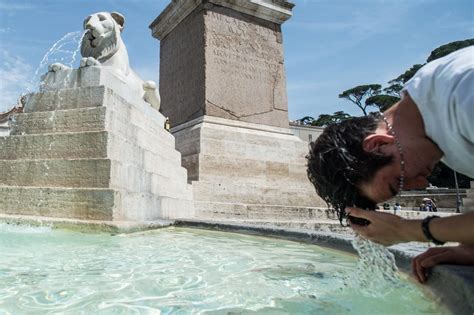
[[223, 85], [223, 59], [86, 152], [244, 170]]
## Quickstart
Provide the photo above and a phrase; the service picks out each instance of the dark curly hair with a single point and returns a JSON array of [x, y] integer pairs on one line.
[[337, 163]]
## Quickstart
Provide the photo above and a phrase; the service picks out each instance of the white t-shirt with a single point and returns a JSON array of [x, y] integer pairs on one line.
[[443, 91]]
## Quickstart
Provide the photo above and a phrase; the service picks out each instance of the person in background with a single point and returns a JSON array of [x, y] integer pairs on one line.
[[360, 162], [396, 207], [427, 204]]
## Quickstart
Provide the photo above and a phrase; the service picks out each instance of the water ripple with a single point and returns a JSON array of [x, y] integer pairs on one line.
[[183, 271]]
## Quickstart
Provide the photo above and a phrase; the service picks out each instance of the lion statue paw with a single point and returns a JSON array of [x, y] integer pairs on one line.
[[57, 67], [151, 95], [89, 62]]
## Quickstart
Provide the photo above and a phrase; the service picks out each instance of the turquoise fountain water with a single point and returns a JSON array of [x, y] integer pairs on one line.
[[186, 271]]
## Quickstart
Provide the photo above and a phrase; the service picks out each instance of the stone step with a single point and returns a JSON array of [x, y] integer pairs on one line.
[[465, 209], [228, 192], [230, 142], [221, 210], [251, 136], [177, 208], [169, 182], [163, 179], [285, 152], [419, 215], [470, 193], [65, 99], [328, 226], [236, 211], [253, 172], [147, 154], [129, 121], [83, 145], [93, 173], [468, 202], [60, 121], [74, 203]]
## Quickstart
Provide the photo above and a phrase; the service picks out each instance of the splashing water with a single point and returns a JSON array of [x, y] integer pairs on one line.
[[41, 228], [183, 271], [377, 273], [63, 51]]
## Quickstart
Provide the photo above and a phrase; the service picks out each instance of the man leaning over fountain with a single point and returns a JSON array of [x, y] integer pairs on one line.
[[366, 160]]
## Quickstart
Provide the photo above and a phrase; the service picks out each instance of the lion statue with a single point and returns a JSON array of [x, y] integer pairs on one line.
[[102, 46]]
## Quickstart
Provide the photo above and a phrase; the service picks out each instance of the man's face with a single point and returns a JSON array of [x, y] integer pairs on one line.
[[420, 159], [386, 182]]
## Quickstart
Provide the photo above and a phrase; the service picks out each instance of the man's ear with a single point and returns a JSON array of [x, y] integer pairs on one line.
[[374, 142]]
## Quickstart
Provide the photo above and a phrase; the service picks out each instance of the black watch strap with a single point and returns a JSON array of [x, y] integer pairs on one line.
[[425, 226]]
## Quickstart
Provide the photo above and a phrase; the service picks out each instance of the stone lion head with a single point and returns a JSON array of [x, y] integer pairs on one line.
[[102, 37]]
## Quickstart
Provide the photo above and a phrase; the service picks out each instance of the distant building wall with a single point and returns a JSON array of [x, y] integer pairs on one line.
[[4, 129], [306, 133], [5, 118]]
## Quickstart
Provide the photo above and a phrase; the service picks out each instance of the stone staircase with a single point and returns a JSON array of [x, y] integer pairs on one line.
[[468, 202], [293, 217], [244, 170], [86, 153]]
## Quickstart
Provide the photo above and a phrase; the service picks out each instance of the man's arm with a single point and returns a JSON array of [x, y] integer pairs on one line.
[[388, 229]]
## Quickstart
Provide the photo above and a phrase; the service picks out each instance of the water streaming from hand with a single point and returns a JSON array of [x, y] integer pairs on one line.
[[377, 273]]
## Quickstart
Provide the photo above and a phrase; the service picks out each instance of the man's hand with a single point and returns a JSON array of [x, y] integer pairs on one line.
[[384, 228], [457, 255]]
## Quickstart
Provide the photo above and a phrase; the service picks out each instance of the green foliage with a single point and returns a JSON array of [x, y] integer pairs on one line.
[[394, 89], [326, 119], [382, 101], [407, 75], [306, 120], [357, 94], [444, 50], [439, 52]]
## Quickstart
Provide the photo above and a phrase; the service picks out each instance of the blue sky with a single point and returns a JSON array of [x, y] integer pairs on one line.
[[330, 45]]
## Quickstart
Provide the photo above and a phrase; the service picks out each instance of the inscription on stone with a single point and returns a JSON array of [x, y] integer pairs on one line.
[[245, 50], [244, 69]]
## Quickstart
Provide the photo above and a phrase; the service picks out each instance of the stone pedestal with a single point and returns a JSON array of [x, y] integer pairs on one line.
[[222, 83], [91, 151], [223, 59], [245, 170]]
